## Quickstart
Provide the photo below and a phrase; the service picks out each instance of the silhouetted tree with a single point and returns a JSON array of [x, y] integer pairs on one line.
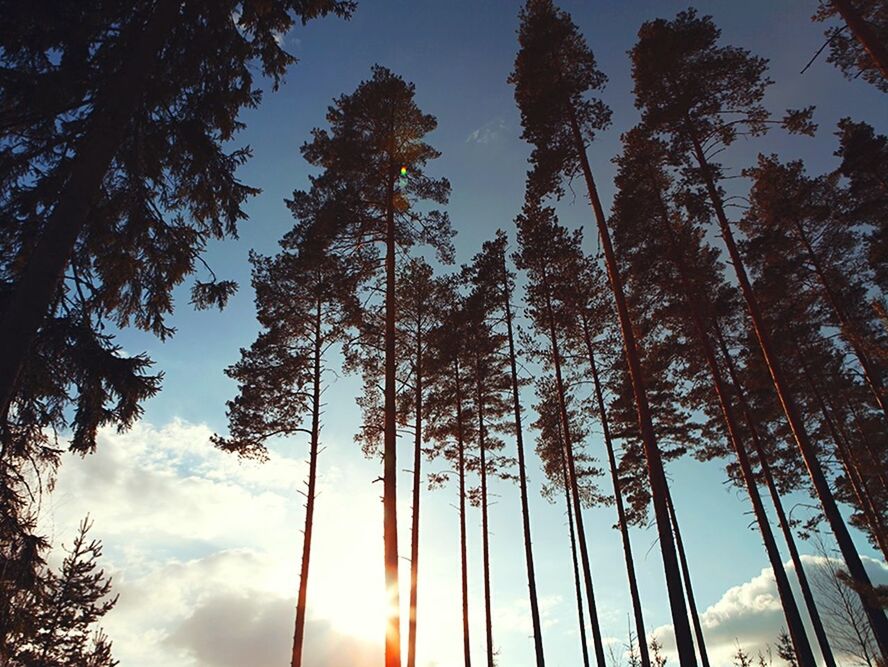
[[554, 72], [372, 158], [864, 51]]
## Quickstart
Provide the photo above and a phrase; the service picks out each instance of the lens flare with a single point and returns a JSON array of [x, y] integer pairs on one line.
[[403, 171]]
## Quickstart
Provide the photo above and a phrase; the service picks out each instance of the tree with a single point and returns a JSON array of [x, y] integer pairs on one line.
[[711, 94], [58, 620], [542, 242], [863, 52], [372, 158], [490, 273], [306, 301], [116, 171], [554, 72]]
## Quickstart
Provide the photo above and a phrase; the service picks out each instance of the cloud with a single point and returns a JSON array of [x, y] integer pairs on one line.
[[490, 132], [750, 614]]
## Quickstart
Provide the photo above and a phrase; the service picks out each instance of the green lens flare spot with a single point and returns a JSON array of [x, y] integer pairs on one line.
[[403, 171]]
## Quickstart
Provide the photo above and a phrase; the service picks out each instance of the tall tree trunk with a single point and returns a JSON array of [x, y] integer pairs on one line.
[[464, 560], [686, 575], [114, 108], [849, 463], [576, 566], [417, 481], [618, 497], [864, 34], [522, 479], [485, 527], [870, 372], [575, 494], [389, 451], [684, 641], [789, 538], [794, 623], [299, 631], [876, 616]]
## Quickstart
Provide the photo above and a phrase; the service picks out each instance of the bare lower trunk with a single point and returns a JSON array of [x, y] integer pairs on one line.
[[785, 526], [576, 567], [686, 575], [575, 495], [878, 461], [522, 481], [417, 482], [299, 631], [876, 616], [618, 497], [36, 287], [864, 34], [389, 452], [464, 561], [485, 528], [656, 475]]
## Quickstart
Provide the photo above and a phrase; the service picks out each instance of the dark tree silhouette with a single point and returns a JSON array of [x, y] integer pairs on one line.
[[554, 72], [863, 51], [711, 94], [375, 133]]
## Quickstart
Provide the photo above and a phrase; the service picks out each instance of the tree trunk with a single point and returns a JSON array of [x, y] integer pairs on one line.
[[36, 287], [870, 372], [789, 538], [684, 641], [522, 480], [794, 623], [852, 471], [876, 616], [485, 528], [417, 481], [575, 495], [618, 497], [464, 561], [686, 575], [877, 460], [389, 451], [864, 34], [576, 567], [299, 631]]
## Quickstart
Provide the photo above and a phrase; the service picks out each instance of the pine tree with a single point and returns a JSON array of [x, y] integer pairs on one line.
[[306, 302], [713, 93], [372, 158], [490, 274], [863, 52], [554, 72], [142, 96]]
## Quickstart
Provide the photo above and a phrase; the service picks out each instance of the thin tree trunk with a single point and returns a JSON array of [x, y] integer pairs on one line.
[[485, 527], [864, 34], [876, 616], [684, 641], [686, 575], [36, 287], [389, 452], [618, 497], [870, 373], [522, 480], [299, 631], [790, 610], [464, 561], [575, 495], [877, 460], [849, 463], [789, 538], [417, 481], [576, 566]]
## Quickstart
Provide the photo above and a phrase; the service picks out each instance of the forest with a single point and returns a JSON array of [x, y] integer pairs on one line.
[[504, 412]]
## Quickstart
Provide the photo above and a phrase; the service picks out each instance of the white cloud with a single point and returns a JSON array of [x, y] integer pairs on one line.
[[488, 133], [750, 615]]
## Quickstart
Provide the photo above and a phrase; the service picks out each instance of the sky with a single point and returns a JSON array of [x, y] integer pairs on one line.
[[204, 549]]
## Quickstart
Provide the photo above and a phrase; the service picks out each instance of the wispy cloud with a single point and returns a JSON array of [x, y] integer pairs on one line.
[[488, 133]]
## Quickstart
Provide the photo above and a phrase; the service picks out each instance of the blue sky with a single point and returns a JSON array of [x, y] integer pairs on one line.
[[187, 510]]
